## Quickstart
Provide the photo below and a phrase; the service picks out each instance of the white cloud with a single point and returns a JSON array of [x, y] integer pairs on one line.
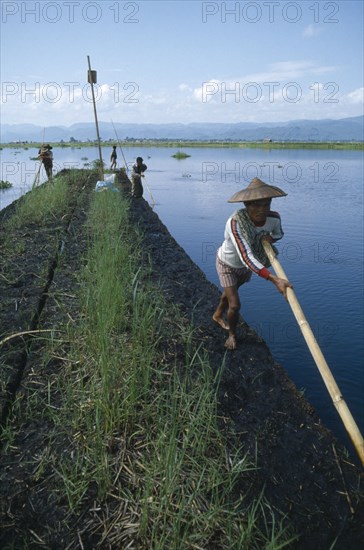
[[290, 66], [207, 91], [287, 70], [311, 30], [282, 81], [184, 88], [154, 99], [287, 90], [356, 97]]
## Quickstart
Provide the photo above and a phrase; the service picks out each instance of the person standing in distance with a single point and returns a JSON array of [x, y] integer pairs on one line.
[[113, 158]]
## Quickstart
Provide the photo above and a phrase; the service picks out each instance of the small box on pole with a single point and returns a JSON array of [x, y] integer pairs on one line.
[[92, 77]]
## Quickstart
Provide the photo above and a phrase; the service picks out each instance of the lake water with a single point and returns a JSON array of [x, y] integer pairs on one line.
[[321, 252]]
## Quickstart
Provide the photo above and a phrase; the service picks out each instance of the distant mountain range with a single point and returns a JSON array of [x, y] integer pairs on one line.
[[345, 129]]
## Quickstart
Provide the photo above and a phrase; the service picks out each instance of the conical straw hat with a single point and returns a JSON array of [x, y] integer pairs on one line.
[[257, 190]]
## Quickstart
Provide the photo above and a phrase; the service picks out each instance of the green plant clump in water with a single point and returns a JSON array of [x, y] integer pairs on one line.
[[96, 165], [180, 155], [5, 184]]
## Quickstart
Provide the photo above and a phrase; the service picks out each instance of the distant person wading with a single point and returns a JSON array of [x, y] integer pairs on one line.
[[113, 158], [242, 252]]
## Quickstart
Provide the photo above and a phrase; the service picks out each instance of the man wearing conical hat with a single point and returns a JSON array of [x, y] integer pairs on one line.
[[242, 252]]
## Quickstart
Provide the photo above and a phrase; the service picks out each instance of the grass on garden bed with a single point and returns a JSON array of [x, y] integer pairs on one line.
[[136, 407]]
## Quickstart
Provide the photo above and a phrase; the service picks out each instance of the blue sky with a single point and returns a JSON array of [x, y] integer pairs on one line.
[[181, 61]]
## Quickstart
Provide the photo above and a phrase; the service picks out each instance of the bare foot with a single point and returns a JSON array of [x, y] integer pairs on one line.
[[231, 342], [220, 321]]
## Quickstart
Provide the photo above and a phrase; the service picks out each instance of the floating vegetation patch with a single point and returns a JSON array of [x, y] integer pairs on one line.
[[5, 184], [180, 155]]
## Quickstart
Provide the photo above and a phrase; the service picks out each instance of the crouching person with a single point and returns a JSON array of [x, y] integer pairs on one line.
[[136, 178]]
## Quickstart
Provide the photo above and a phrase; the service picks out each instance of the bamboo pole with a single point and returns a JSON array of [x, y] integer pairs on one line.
[[36, 179], [332, 387], [96, 121], [150, 193]]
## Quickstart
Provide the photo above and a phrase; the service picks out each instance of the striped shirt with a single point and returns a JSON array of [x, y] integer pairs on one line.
[[236, 252]]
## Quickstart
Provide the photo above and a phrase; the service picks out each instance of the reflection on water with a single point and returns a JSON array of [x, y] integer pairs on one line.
[[321, 252]]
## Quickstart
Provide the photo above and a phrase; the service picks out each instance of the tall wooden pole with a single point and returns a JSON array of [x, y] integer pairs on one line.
[[320, 361], [91, 81]]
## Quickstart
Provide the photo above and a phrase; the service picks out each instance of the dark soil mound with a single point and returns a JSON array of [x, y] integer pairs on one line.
[[301, 466]]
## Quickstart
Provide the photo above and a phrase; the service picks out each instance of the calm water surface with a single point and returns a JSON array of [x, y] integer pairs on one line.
[[321, 252]]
